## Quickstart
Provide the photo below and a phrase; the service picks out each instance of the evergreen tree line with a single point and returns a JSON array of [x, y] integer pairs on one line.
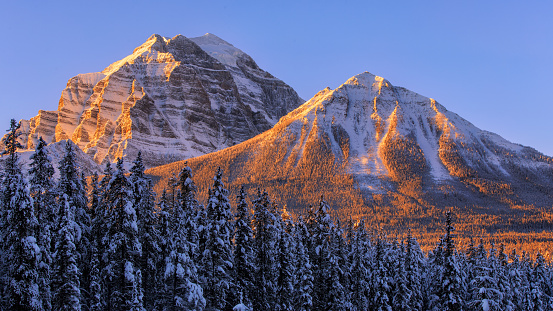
[[109, 244]]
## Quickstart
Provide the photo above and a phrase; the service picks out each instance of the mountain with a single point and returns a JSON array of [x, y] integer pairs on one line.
[[391, 156], [172, 98]]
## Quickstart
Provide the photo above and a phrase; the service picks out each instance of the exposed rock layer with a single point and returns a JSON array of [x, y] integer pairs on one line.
[[171, 99], [390, 156]]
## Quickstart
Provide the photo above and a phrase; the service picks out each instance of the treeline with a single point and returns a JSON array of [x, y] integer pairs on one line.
[[109, 244]]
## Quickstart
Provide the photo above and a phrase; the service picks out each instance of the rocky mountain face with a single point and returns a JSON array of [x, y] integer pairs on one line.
[[172, 98], [391, 156]]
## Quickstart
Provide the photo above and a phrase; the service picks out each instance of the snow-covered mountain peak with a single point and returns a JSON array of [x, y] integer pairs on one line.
[[171, 99], [211, 39], [386, 144], [218, 48], [155, 49], [378, 129]]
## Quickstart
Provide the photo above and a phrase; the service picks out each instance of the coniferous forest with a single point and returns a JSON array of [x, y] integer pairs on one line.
[[70, 242]]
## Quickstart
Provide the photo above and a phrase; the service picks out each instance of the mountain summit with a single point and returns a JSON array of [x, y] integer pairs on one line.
[[172, 98], [388, 155]]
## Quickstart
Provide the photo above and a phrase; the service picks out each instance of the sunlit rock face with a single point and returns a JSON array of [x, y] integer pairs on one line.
[[390, 156], [171, 99]]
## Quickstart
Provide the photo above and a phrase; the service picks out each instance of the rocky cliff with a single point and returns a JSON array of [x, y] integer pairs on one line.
[[172, 98], [394, 158]]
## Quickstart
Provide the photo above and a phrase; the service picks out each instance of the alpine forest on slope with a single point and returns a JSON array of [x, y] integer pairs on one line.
[[69, 243]]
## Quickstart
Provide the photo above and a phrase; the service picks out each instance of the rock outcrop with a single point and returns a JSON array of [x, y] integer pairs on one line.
[[392, 157], [172, 98]]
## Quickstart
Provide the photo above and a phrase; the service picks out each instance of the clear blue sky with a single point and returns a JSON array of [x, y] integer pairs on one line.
[[491, 62]]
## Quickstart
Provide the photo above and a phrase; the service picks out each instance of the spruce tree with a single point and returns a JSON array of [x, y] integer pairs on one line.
[[71, 190], [303, 285], [95, 288], [95, 301], [20, 251], [516, 281], [286, 262], [502, 276], [449, 294], [265, 236], [320, 226], [359, 268], [244, 267], [148, 235], [401, 294], [217, 256], [41, 189], [381, 300], [66, 284], [189, 207], [337, 296], [181, 288], [537, 281], [414, 261], [122, 272], [482, 289]]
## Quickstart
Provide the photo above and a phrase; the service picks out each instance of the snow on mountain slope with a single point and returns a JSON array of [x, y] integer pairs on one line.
[[171, 98], [372, 149]]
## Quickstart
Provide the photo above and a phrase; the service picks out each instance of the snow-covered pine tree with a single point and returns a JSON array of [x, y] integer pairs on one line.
[[10, 167], [181, 290], [95, 300], [165, 215], [265, 252], [414, 265], [244, 267], [537, 281], [337, 296], [469, 264], [502, 276], [286, 262], [189, 207], [303, 300], [320, 225], [66, 284], [20, 250], [483, 291], [148, 235], [187, 192], [103, 212], [516, 281], [359, 267], [217, 256], [449, 294], [380, 277], [180, 275], [70, 189], [122, 273], [401, 293], [41, 189]]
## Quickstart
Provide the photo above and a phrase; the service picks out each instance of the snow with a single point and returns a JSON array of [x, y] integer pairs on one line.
[[358, 105], [218, 48], [129, 272], [30, 244], [240, 307], [485, 305]]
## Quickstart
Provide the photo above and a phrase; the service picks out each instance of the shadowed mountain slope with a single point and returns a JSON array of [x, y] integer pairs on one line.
[[172, 98], [390, 156]]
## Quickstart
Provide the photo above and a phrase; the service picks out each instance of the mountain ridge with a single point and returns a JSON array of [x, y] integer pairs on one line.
[[170, 99], [390, 156]]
